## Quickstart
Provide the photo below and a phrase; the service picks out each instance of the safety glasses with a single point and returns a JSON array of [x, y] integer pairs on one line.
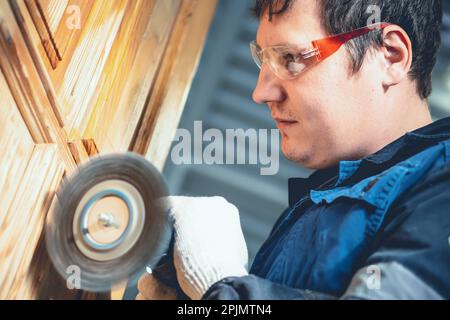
[[288, 62]]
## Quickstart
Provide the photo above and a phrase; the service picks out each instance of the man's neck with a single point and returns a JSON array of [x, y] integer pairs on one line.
[[410, 116]]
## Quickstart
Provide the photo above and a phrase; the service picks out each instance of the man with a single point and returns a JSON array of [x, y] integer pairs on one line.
[[372, 222]]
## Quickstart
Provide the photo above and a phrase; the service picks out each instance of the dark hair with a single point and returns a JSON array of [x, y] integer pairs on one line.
[[420, 19]]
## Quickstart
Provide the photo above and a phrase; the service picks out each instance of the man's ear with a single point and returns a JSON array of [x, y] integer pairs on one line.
[[397, 53]]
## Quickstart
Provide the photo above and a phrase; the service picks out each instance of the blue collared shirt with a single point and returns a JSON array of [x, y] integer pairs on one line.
[[384, 214]]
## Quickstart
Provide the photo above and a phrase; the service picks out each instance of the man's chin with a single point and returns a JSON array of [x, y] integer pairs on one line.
[[296, 155], [303, 158]]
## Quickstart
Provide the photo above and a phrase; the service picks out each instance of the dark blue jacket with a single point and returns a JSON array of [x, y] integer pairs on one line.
[[377, 228]]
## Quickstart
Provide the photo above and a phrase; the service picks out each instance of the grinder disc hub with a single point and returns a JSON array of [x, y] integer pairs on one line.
[[108, 220]]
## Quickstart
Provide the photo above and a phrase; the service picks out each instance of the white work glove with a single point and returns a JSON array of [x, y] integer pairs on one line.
[[209, 244], [150, 288]]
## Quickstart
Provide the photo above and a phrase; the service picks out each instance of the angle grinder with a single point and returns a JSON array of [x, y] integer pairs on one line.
[[108, 221]]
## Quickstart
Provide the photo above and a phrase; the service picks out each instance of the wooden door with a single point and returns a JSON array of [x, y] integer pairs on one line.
[[115, 83]]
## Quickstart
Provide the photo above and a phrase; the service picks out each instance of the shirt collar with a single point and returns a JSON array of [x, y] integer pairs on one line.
[[349, 171]]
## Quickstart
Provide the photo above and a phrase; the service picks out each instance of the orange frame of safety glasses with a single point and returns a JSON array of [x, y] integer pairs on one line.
[[323, 48]]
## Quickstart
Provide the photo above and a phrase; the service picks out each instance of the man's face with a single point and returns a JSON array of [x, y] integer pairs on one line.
[[326, 114]]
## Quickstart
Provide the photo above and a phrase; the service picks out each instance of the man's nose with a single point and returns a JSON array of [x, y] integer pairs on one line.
[[268, 88]]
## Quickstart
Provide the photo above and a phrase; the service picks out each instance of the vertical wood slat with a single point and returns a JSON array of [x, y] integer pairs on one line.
[[16, 144], [168, 95], [24, 221], [129, 73], [32, 40], [65, 37], [84, 69], [16, 76]]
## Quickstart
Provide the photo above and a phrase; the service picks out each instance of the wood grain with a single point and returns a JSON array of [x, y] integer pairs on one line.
[[119, 84], [130, 73], [16, 75], [66, 38], [23, 223], [17, 145], [45, 34], [50, 17], [169, 93], [53, 12], [27, 88], [80, 79], [78, 151]]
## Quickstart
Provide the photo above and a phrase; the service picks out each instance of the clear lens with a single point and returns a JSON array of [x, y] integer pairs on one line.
[[283, 62], [255, 50]]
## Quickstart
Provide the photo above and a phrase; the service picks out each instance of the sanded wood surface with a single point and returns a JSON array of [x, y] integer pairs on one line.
[[117, 83], [170, 90]]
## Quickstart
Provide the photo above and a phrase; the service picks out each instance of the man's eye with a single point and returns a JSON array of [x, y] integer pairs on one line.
[[288, 57], [293, 63], [295, 67]]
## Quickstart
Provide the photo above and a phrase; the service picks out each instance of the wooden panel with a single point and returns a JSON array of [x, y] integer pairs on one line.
[[36, 51], [16, 72], [50, 18], [71, 85], [78, 151], [169, 93], [33, 96], [29, 174], [16, 145], [129, 74], [45, 35], [36, 152], [76, 84], [53, 12], [67, 34], [109, 91], [22, 225]]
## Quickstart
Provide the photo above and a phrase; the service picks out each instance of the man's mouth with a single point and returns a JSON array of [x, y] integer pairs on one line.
[[284, 123]]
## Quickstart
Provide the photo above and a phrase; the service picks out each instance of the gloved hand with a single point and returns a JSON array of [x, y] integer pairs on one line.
[[151, 288], [209, 244]]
